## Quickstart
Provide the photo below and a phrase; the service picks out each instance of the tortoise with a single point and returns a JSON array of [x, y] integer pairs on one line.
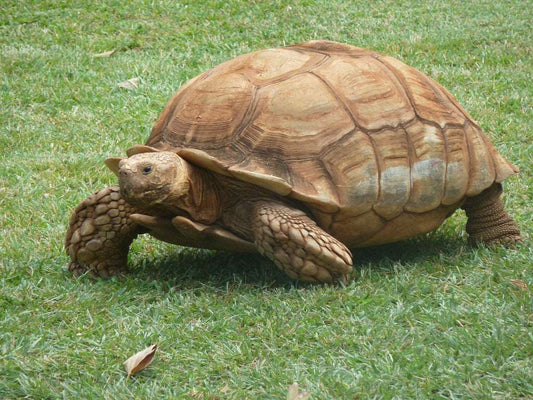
[[300, 153]]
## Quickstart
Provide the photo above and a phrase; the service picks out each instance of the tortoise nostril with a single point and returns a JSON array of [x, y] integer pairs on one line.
[[125, 171]]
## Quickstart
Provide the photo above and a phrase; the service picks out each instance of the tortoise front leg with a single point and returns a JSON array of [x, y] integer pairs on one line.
[[297, 245], [100, 234]]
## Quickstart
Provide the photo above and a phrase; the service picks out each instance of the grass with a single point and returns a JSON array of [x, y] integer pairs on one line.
[[427, 318]]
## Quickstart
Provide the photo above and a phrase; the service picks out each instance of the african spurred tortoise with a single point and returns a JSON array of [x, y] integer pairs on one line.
[[300, 153]]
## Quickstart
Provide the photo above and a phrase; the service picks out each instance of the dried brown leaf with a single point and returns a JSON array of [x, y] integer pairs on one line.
[[105, 54], [140, 360], [519, 283], [130, 84], [295, 394]]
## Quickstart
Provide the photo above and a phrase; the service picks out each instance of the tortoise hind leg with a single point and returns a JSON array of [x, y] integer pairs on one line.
[[100, 234], [488, 222]]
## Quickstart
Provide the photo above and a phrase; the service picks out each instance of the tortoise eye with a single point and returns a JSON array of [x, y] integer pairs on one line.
[[147, 170]]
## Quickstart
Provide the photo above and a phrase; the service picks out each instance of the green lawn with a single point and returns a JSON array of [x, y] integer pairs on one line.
[[427, 318]]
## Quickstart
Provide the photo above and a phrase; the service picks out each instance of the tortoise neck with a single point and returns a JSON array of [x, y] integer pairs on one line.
[[202, 201]]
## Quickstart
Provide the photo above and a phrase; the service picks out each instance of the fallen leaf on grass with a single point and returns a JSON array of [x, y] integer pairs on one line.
[[295, 394], [105, 54], [519, 283], [130, 84], [140, 361]]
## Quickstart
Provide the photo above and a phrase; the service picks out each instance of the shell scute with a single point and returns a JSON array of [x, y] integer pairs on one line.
[[313, 180], [457, 166], [392, 153], [367, 89], [300, 115], [430, 102], [216, 107], [427, 167], [353, 168], [274, 65], [482, 171]]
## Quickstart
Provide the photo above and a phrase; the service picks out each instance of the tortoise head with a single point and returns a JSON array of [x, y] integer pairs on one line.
[[151, 179]]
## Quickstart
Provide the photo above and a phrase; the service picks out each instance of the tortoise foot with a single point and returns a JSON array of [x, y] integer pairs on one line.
[[100, 234]]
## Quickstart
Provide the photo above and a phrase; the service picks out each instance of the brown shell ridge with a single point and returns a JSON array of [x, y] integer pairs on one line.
[[301, 71], [164, 120], [248, 115], [401, 82], [382, 157], [446, 160], [453, 100], [292, 74], [379, 168], [269, 182], [496, 156], [435, 85], [469, 151], [403, 85], [340, 141], [349, 112], [410, 158], [330, 179], [338, 98], [493, 161], [430, 84], [484, 172], [328, 47]]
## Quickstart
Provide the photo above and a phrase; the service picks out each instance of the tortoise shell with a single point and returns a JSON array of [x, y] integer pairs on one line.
[[375, 150]]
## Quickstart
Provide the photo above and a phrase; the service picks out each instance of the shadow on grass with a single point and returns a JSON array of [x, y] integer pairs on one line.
[[189, 268], [412, 251]]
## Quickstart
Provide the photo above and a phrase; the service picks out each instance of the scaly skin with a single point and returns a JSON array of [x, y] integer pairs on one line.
[[488, 222], [297, 245], [100, 234]]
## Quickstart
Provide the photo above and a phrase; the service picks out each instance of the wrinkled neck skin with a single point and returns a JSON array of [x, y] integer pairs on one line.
[[203, 201], [197, 197]]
